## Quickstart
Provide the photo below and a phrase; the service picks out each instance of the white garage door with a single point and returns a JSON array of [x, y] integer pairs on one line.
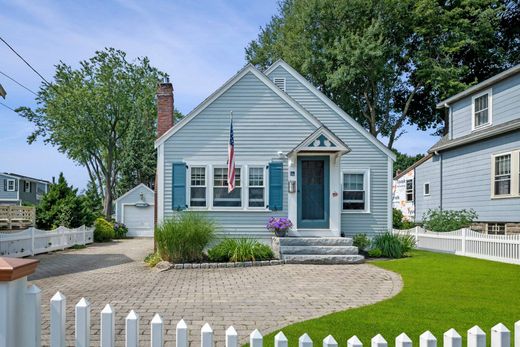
[[139, 220]]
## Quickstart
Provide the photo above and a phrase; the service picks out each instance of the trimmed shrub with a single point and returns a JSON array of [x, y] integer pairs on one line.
[[103, 230], [120, 230], [448, 220], [399, 222], [374, 253], [392, 245], [238, 250], [184, 237], [361, 241]]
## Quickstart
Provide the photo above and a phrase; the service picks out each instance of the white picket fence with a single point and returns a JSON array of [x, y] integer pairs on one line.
[[503, 248], [476, 337], [34, 241]]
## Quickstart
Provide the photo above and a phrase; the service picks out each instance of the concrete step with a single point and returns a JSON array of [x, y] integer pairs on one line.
[[323, 259], [315, 241], [323, 250]]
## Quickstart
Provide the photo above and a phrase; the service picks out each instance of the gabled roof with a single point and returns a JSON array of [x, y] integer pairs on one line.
[[332, 105], [446, 143], [140, 185], [413, 166], [336, 144], [245, 70], [26, 178], [482, 85]]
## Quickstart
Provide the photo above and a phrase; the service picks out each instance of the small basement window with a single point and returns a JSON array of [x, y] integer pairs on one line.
[[280, 83]]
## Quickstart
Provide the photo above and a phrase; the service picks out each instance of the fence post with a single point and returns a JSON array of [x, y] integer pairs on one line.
[[427, 340], [107, 327], [452, 338], [32, 307], [132, 329], [206, 336], [84, 234], [500, 336], [32, 241], [417, 236], [231, 337], [256, 339], [181, 334], [379, 341], [304, 341], [354, 341], [156, 327], [403, 341], [329, 341], [280, 340], [82, 323], [58, 316], [517, 334], [476, 337], [464, 241]]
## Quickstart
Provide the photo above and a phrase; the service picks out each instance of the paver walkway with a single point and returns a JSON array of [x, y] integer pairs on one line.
[[266, 298]]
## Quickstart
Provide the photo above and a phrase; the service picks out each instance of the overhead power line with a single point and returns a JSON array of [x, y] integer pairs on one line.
[[15, 81], [8, 107], [25, 61]]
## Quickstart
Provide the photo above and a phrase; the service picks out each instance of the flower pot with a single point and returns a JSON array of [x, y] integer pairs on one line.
[[280, 233]]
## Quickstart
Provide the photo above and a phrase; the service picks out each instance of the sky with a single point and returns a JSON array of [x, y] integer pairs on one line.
[[200, 44]]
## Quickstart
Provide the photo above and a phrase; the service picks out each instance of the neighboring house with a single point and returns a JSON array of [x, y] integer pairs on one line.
[[403, 190], [17, 189], [135, 209], [298, 155], [476, 165]]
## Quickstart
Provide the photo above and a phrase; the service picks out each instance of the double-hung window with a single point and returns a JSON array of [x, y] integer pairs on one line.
[[198, 186], [482, 109], [221, 197], [502, 179], [256, 187], [409, 190], [27, 187], [11, 185], [355, 191]]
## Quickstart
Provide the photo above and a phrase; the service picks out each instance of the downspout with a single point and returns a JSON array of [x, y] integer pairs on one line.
[[440, 181]]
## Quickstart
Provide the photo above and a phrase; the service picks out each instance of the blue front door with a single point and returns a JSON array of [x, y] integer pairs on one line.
[[313, 192]]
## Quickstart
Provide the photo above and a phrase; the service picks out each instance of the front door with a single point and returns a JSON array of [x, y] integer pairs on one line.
[[313, 192]]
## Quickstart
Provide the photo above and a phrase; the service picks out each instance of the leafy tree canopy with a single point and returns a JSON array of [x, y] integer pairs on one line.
[[387, 62], [404, 161]]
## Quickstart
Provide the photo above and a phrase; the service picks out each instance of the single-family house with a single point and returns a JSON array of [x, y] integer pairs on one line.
[[17, 189], [476, 165], [298, 155]]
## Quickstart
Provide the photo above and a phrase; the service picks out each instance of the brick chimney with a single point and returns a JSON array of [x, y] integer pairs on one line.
[[164, 106]]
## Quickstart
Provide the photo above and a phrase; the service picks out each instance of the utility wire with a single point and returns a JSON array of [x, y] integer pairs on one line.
[[8, 107], [15, 81], [25, 61]]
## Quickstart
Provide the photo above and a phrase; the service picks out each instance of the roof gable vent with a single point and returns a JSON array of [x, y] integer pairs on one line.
[[279, 82]]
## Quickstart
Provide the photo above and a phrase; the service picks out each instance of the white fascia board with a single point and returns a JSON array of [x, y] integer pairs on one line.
[[133, 189], [332, 105], [247, 69]]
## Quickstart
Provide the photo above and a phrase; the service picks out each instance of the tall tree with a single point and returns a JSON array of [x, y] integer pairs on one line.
[[386, 62], [404, 161], [100, 114]]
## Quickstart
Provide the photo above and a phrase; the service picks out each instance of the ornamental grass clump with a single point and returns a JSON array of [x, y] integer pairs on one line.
[[393, 245], [239, 250], [184, 237]]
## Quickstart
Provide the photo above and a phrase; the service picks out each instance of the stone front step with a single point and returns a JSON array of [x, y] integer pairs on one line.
[[323, 259], [315, 241], [323, 250]]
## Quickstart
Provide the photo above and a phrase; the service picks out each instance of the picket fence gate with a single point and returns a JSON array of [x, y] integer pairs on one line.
[[503, 248], [33, 241], [476, 337]]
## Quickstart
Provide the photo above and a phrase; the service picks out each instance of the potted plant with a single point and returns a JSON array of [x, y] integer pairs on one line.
[[279, 225]]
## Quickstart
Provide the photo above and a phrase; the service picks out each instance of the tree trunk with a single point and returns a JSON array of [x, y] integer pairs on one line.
[[107, 201]]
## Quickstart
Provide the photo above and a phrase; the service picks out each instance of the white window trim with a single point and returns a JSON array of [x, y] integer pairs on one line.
[[515, 175], [25, 185], [244, 177], [429, 189], [490, 109], [188, 185], [406, 190], [13, 183], [366, 183]]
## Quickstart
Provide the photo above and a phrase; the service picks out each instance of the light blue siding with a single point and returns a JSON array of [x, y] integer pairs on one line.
[[427, 172], [363, 155], [505, 106], [5, 195], [263, 125]]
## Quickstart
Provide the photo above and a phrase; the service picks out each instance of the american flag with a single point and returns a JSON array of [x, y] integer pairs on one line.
[[231, 157]]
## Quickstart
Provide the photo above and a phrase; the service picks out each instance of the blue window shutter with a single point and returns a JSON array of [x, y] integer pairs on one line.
[[179, 186], [276, 186]]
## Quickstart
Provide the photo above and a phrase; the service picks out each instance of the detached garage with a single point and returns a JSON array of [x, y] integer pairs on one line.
[[136, 210]]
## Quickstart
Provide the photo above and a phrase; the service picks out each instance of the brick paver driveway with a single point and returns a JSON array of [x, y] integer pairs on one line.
[[266, 298]]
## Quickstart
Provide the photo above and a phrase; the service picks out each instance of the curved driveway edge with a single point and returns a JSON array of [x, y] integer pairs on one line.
[[264, 298]]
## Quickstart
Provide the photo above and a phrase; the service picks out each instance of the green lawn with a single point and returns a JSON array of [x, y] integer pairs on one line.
[[441, 291]]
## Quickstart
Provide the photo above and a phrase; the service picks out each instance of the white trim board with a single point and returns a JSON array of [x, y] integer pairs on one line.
[[244, 71], [332, 105], [134, 189]]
